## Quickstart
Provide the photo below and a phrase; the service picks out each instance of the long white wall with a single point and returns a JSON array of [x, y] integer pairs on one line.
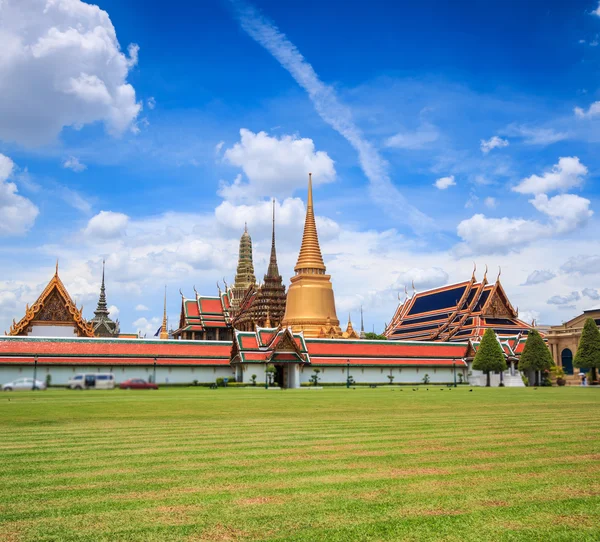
[[367, 374], [164, 375]]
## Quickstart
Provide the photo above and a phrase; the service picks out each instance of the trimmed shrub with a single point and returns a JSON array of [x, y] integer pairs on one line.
[[489, 356]]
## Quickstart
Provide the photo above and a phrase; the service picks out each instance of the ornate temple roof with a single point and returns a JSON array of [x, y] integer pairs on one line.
[[273, 345], [263, 305], [244, 277], [102, 323], [205, 312], [457, 312], [105, 351], [54, 306]]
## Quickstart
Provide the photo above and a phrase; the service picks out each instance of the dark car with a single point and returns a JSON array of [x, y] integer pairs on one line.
[[137, 384]]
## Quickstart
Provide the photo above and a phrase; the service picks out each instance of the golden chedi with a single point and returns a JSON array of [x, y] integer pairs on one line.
[[310, 302]]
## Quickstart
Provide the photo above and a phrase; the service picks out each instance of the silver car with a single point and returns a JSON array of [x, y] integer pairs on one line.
[[23, 384]]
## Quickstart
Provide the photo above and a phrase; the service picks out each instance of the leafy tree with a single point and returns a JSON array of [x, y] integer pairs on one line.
[[426, 379], [375, 336], [490, 356], [391, 377], [536, 356], [315, 377], [253, 380], [588, 351]]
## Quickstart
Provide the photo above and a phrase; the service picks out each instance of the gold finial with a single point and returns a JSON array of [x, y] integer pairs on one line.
[[181, 294], [245, 227], [485, 274], [56, 272], [499, 273], [310, 256], [164, 334], [474, 269]]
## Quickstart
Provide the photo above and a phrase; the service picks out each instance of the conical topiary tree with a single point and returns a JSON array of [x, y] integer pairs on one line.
[[489, 356], [588, 351], [536, 356]]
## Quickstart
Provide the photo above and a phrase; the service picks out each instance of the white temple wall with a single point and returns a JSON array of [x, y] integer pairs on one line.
[[371, 375], [53, 331], [164, 375]]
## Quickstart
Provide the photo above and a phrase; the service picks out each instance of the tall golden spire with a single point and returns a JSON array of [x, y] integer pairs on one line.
[[310, 306], [310, 256], [164, 334]]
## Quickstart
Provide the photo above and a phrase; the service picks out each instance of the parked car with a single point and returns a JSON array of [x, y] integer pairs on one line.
[[23, 384], [137, 384], [92, 381]]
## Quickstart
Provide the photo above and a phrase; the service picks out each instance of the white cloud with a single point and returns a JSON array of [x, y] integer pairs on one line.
[[445, 182], [113, 312], [151, 102], [564, 299], [592, 293], [597, 11], [494, 142], [568, 173], [74, 199], [419, 139], [106, 225], [535, 135], [218, 147], [539, 277], [147, 326], [17, 213], [61, 65], [423, 279], [274, 166], [141, 308], [583, 264], [334, 113], [593, 110], [73, 163], [566, 211], [490, 202], [529, 316]]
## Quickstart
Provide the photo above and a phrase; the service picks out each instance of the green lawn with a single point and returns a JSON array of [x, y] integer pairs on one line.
[[333, 464]]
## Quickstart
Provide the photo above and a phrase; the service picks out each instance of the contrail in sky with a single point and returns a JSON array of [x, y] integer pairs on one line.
[[334, 113]]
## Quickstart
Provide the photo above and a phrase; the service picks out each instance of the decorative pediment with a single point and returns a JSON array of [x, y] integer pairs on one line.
[[285, 343], [54, 306], [498, 305]]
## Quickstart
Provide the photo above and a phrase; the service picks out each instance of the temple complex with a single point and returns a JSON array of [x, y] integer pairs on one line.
[[54, 314], [205, 318], [101, 322], [310, 304], [457, 312]]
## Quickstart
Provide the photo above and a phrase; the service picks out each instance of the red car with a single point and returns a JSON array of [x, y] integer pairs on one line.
[[137, 384]]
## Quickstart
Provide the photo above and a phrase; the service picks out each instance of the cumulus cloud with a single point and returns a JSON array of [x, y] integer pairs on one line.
[[592, 293], [566, 211], [494, 142], [423, 279], [17, 213], [597, 11], [106, 225], [535, 135], [564, 299], [592, 111], [444, 182], [419, 139], [566, 174], [539, 277], [61, 65], [147, 326], [73, 163], [113, 312], [141, 308], [584, 264], [274, 166]]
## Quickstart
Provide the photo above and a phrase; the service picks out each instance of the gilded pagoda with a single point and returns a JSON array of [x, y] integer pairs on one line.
[[103, 325], [310, 302]]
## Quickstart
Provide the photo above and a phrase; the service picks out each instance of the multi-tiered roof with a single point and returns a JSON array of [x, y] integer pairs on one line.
[[244, 278], [202, 316], [457, 312], [104, 326]]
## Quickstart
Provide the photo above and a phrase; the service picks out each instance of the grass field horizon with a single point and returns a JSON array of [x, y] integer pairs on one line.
[[332, 464]]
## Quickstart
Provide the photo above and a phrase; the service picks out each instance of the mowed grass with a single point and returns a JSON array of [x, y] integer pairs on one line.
[[332, 464]]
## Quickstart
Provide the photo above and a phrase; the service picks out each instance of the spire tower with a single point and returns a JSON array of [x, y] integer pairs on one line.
[[244, 277], [164, 334], [310, 303], [103, 325]]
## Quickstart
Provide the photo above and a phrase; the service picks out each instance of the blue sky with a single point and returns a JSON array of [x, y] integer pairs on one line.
[[438, 134]]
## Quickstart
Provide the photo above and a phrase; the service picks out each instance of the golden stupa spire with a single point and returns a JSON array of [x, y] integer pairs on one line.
[[164, 334], [310, 256]]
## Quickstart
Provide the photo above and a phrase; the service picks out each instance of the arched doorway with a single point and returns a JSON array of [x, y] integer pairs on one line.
[[566, 359]]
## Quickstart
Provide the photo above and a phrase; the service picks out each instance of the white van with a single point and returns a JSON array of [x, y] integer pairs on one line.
[[92, 381]]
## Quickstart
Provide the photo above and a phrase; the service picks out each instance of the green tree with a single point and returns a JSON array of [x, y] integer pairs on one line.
[[375, 336], [490, 356], [588, 351], [536, 356]]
